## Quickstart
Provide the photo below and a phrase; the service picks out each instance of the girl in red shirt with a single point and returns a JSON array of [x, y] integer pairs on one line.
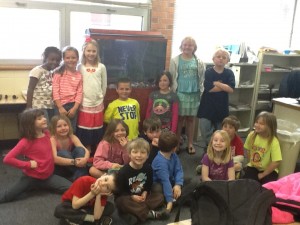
[[37, 162]]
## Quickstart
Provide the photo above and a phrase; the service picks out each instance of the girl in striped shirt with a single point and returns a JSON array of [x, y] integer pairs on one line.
[[67, 86]]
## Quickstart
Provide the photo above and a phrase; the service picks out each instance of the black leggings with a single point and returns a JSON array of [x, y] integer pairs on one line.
[[252, 173]]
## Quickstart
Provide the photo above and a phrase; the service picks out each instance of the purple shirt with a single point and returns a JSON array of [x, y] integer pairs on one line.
[[217, 172]]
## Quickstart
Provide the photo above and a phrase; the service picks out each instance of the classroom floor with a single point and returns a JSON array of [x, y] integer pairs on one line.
[[38, 207]]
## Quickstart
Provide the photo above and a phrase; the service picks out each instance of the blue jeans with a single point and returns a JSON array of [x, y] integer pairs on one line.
[[25, 183], [71, 171], [207, 128], [73, 120]]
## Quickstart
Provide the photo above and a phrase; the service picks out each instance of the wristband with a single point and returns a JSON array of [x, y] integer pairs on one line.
[[73, 162], [103, 200]]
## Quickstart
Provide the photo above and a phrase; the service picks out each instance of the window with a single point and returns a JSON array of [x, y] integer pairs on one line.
[[80, 21], [30, 26], [216, 23], [26, 32]]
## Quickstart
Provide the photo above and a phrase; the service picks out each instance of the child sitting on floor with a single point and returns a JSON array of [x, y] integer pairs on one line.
[[86, 201], [134, 200], [111, 153], [152, 131], [167, 169]]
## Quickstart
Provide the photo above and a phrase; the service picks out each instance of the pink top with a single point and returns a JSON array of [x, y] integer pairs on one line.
[[67, 87], [59, 147], [39, 150], [107, 154]]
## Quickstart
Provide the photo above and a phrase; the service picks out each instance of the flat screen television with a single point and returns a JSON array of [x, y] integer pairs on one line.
[[140, 60]]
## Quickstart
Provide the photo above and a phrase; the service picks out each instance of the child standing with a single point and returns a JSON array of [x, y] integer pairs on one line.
[[37, 162], [90, 114], [67, 86], [70, 156], [86, 201], [164, 103], [188, 75], [167, 169], [263, 149], [134, 182], [152, 131], [111, 152], [217, 163], [214, 106], [231, 125], [39, 92], [124, 108]]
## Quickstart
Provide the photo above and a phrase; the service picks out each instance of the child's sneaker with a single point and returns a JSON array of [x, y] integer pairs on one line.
[[159, 215], [105, 220]]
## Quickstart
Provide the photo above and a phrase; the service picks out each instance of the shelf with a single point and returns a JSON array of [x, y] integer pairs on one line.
[[272, 69], [241, 100], [231, 109]]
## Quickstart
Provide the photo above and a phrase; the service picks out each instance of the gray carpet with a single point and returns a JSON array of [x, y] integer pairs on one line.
[[36, 208]]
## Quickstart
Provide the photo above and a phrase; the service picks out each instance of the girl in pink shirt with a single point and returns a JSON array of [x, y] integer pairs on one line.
[[111, 152], [67, 86], [37, 162]]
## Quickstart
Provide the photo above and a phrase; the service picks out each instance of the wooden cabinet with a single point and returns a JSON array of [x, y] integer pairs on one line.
[[272, 68], [9, 118], [242, 99], [139, 55]]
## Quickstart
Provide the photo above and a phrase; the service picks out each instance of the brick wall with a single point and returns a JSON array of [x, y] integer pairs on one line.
[[162, 20]]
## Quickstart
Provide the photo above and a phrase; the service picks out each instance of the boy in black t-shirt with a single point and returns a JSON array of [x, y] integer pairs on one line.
[[134, 181]]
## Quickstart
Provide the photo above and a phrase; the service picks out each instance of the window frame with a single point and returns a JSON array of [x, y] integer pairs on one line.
[[65, 23]]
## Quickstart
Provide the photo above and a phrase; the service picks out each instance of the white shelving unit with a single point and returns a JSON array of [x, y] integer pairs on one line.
[[241, 101], [271, 70]]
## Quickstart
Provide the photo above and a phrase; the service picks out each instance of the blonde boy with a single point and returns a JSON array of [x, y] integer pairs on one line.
[[134, 181]]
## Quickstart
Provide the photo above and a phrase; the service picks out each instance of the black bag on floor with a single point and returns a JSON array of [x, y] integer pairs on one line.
[[239, 202]]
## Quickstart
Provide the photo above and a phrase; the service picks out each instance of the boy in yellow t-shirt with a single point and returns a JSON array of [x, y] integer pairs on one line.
[[125, 108]]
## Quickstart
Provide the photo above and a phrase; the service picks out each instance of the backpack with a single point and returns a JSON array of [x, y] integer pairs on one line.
[[238, 202]]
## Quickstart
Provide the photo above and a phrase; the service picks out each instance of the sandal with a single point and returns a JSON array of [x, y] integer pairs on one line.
[[191, 150]]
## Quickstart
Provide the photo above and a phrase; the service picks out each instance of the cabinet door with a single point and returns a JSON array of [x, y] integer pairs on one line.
[[241, 100]]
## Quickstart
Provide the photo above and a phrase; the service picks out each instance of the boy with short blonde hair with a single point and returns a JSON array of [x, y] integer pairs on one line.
[[219, 82], [134, 181]]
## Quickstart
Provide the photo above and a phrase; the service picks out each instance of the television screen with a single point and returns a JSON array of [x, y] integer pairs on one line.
[[141, 61]]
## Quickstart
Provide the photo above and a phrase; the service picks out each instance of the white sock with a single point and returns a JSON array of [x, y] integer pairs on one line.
[[89, 218]]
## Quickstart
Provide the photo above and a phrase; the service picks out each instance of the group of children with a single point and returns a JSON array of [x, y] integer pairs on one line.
[[149, 176]]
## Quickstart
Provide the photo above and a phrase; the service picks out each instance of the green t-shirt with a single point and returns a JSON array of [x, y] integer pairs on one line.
[[262, 153]]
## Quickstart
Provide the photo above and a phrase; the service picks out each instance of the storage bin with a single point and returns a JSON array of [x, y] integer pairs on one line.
[[289, 139]]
